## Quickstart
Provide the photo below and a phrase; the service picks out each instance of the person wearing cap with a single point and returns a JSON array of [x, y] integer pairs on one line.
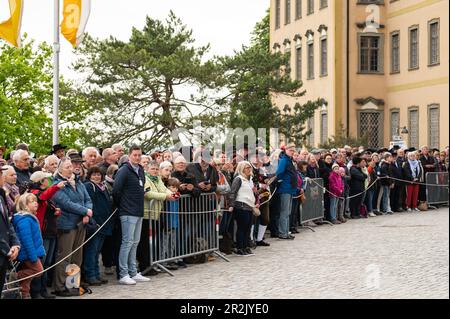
[[334, 153], [21, 161], [9, 243], [58, 150], [77, 162], [287, 177], [10, 187], [47, 225], [336, 187]]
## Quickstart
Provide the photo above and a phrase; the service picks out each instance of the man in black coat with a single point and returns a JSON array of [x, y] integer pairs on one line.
[[205, 175], [9, 244], [21, 165], [395, 199]]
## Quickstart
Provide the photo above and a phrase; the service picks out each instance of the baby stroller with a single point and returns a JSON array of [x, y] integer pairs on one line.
[[11, 291]]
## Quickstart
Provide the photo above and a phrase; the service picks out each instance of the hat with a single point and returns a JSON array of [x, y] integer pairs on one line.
[[435, 150], [411, 149], [39, 176], [57, 147], [335, 165], [333, 150], [315, 151], [290, 145], [382, 150], [75, 157]]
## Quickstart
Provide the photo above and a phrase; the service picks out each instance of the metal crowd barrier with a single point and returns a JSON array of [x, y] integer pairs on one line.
[[437, 194], [312, 207], [185, 228]]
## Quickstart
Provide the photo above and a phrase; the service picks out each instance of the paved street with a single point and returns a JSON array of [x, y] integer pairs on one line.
[[401, 256]]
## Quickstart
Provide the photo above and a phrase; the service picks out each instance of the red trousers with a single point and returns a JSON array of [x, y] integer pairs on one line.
[[27, 269], [412, 196]]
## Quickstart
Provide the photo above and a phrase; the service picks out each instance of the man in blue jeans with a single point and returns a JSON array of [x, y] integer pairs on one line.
[[287, 177], [128, 194]]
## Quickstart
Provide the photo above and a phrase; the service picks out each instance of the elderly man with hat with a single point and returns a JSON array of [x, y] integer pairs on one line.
[[287, 178], [77, 162], [58, 150]]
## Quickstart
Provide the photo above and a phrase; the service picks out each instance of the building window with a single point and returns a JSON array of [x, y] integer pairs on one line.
[[287, 11], [413, 48], [414, 128], [298, 9], [288, 65], [310, 6], [370, 126], [395, 52], [323, 128], [298, 63], [371, 54], [323, 4], [310, 61], [323, 57], [433, 126], [277, 13], [395, 124], [433, 42], [310, 123]]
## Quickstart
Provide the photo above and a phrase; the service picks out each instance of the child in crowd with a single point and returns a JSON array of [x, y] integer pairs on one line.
[[32, 249], [336, 186], [171, 238], [341, 202]]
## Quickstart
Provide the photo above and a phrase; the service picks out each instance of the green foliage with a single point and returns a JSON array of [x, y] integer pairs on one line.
[[341, 139], [133, 87], [26, 98]]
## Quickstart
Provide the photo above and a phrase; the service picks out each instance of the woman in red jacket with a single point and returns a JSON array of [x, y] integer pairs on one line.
[[336, 187], [46, 215]]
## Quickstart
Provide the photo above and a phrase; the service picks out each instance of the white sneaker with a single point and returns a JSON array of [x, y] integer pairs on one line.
[[127, 281], [417, 210], [372, 214], [140, 278], [409, 210]]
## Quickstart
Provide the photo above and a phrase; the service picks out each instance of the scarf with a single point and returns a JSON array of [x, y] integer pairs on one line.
[[414, 167], [154, 179], [101, 186], [71, 180]]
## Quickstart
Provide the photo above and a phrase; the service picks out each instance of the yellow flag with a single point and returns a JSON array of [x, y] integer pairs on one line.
[[10, 29], [75, 16]]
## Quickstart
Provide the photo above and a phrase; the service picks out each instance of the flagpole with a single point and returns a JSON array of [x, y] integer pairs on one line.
[[56, 49]]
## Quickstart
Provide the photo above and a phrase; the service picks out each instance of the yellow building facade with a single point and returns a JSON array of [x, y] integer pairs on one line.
[[381, 66]]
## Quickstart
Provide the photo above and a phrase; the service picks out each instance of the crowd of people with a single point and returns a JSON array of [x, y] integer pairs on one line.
[[51, 205]]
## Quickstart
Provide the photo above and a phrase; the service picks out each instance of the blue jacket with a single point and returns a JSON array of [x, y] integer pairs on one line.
[[27, 229], [102, 206], [287, 175], [128, 191], [74, 204]]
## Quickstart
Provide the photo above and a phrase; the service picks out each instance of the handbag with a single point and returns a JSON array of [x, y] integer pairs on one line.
[[302, 198], [423, 206], [256, 211]]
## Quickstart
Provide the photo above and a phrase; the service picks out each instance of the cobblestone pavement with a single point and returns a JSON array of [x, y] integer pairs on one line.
[[405, 255]]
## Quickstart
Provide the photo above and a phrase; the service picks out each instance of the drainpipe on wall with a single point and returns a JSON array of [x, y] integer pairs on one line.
[[348, 68]]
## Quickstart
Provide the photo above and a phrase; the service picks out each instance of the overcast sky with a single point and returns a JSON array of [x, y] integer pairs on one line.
[[226, 25]]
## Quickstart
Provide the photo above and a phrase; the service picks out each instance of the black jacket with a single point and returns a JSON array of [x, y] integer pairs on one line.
[[128, 191], [23, 175], [325, 170], [186, 178], [211, 175], [397, 172], [312, 172], [8, 236], [386, 171], [357, 179]]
